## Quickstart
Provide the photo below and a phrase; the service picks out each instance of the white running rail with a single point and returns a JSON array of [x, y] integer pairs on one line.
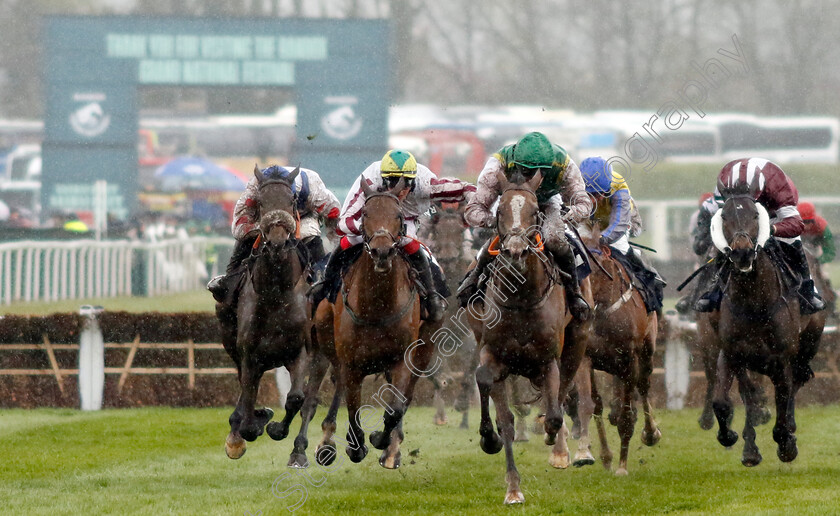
[[32, 271]]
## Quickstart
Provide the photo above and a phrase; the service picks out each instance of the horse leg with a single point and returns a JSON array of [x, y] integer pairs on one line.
[[606, 454], [403, 383], [521, 410], [750, 456], [556, 432], [751, 389], [234, 443], [328, 426], [651, 433], [485, 376], [722, 404], [317, 369], [707, 418], [252, 422], [585, 407], [356, 448], [438, 403], [294, 399], [782, 378], [627, 413], [505, 423], [462, 403]]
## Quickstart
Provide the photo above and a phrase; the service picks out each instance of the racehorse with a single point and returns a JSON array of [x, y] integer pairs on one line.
[[622, 344], [270, 327], [760, 327], [444, 234], [524, 330], [375, 323]]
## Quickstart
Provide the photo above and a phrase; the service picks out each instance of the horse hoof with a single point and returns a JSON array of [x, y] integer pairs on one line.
[[727, 439], [706, 421], [251, 433], [513, 497], [763, 417], [380, 440], [788, 451], [357, 455], [277, 431], [465, 425], [263, 415], [621, 472], [550, 439], [298, 461], [235, 448], [583, 459], [650, 439], [325, 454], [576, 432], [441, 421], [559, 460], [607, 463], [391, 462], [491, 444], [751, 460]]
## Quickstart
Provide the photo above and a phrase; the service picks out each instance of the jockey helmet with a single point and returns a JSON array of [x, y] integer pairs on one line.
[[807, 211], [746, 176], [275, 172], [398, 163], [597, 175], [533, 151]]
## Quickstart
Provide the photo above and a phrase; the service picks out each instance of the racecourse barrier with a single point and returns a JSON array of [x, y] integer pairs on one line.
[[32, 271]]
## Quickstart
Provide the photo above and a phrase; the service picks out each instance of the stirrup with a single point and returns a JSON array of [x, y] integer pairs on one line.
[[217, 287], [579, 308], [683, 306]]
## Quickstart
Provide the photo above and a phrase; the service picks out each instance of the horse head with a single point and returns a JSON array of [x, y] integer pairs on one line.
[[278, 223], [447, 224], [382, 224], [518, 217], [739, 229]]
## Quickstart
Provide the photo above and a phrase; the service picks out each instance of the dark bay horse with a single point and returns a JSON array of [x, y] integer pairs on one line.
[[622, 344], [270, 326], [374, 324], [523, 328], [760, 327]]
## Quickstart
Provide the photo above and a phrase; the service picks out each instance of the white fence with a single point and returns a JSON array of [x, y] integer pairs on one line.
[[82, 269]]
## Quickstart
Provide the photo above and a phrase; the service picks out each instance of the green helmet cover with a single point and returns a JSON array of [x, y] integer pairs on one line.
[[534, 151]]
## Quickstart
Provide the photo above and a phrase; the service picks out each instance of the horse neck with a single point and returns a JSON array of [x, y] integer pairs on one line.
[[276, 277], [755, 288], [536, 279], [377, 292], [605, 290]]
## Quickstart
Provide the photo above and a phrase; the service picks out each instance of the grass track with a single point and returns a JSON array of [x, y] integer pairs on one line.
[[170, 461]]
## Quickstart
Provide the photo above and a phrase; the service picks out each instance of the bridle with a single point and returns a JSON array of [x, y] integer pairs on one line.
[[395, 239], [498, 244], [294, 236]]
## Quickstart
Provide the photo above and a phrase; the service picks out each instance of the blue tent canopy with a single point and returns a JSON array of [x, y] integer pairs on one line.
[[196, 174]]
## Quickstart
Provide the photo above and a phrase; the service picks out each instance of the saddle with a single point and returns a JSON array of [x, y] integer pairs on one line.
[[645, 281]]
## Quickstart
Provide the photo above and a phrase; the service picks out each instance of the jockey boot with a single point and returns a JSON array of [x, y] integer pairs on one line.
[[220, 285], [650, 278], [709, 300], [810, 300], [469, 285], [314, 254], [433, 303], [332, 276], [564, 257], [683, 306]]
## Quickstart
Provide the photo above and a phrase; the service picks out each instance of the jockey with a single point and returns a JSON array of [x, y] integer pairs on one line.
[[615, 212], [816, 232], [701, 242], [775, 191], [561, 180], [314, 203], [422, 187]]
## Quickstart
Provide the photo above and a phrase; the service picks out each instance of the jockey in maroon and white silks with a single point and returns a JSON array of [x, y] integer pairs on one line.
[[768, 185], [420, 187], [315, 203], [427, 188]]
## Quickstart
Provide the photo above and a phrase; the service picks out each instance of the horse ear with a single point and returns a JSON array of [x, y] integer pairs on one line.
[[294, 174], [535, 181], [366, 189], [258, 174]]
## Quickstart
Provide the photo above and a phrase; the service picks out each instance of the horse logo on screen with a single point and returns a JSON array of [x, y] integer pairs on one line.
[[342, 122], [90, 120]]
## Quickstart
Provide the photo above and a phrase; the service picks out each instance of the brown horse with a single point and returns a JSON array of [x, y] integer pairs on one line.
[[760, 327], [523, 328], [270, 326], [622, 344], [374, 324]]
